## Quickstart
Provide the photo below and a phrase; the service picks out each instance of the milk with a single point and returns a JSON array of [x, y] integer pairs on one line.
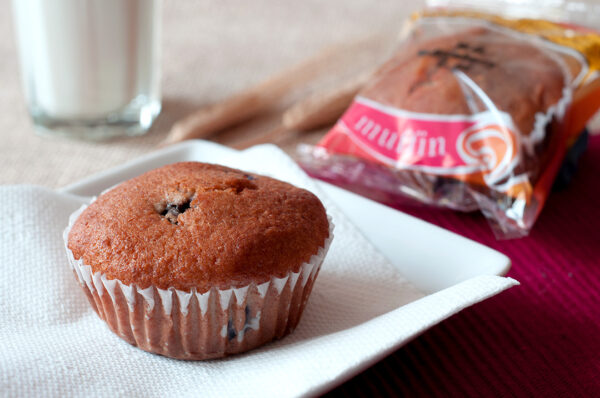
[[88, 60]]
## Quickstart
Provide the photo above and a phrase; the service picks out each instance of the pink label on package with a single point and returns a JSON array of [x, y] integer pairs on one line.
[[482, 143]]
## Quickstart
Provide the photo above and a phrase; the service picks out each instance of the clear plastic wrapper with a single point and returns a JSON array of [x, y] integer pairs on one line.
[[473, 112]]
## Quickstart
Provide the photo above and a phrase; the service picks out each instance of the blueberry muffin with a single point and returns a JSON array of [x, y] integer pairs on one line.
[[198, 261], [518, 77], [490, 77]]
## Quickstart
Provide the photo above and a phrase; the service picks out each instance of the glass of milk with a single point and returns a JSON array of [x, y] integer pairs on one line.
[[90, 68]]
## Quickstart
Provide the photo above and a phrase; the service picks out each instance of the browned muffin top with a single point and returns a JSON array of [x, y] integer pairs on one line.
[[518, 77], [196, 225]]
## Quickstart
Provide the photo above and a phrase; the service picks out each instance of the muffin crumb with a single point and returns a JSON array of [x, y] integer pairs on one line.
[[173, 210]]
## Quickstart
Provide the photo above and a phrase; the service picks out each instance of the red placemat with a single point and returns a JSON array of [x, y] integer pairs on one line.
[[538, 339]]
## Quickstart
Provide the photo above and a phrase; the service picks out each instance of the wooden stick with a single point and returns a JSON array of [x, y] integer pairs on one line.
[[319, 109], [271, 136], [250, 102], [322, 108]]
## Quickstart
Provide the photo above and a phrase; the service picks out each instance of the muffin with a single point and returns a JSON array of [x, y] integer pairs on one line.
[[199, 261], [468, 119], [519, 77]]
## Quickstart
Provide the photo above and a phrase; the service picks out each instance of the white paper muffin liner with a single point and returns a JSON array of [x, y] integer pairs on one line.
[[193, 325]]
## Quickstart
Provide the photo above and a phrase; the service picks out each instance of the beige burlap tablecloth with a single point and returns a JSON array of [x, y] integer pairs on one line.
[[210, 49]]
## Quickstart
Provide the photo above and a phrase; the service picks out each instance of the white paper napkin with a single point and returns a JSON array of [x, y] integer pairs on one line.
[[53, 344]]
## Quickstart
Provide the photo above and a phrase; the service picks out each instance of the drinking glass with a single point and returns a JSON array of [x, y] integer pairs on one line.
[[90, 68]]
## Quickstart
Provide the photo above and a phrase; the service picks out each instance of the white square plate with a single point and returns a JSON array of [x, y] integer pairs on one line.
[[453, 276]]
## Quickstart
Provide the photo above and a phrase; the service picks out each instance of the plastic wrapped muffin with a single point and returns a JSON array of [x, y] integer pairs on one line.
[[197, 261], [472, 112]]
